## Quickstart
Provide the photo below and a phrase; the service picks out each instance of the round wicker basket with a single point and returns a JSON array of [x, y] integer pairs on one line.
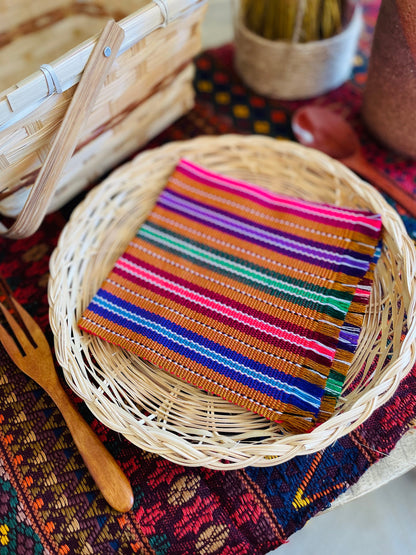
[[293, 70], [159, 412]]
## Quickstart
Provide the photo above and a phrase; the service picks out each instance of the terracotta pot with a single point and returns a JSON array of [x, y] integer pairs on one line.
[[390, 94]]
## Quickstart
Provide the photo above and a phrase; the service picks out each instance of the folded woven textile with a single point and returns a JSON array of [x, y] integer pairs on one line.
[[248, 294]]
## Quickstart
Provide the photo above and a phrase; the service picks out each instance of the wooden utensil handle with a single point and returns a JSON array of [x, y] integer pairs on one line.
[[65, 141], [105, 471], [377, 178]]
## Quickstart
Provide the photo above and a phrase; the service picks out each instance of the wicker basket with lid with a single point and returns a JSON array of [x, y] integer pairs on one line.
[[44, 47]]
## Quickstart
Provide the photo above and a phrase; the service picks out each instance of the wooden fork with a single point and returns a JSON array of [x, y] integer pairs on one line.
[[37, 363]]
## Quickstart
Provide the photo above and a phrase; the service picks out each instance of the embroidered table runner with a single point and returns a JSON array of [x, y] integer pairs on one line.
[[243, 292]]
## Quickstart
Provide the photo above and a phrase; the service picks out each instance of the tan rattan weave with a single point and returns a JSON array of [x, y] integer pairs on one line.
[[157, 411], [148, 86]]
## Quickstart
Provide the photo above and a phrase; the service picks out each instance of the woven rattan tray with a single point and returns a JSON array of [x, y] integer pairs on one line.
[[161, 413]]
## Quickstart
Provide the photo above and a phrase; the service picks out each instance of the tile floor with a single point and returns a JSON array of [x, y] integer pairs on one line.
[[380, 523]]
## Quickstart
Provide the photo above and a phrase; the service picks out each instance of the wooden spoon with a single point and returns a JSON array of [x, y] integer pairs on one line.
[[328, 132]]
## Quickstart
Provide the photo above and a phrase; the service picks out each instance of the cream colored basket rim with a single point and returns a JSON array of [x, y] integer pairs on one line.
[[67, 69], [157, 411], [311, 47]]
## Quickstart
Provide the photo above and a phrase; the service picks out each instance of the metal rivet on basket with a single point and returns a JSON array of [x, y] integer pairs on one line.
[[107, 51]]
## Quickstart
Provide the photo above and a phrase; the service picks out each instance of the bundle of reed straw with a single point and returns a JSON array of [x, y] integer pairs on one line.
[[302, 20]]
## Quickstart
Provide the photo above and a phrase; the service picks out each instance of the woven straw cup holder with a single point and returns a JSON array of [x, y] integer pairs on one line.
[[161, 413], [291, 70]]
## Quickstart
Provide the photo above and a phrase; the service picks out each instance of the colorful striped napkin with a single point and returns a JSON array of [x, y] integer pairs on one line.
[[250, 295]]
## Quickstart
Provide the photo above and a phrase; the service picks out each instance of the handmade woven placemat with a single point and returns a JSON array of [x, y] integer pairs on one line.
[[243, 292], [48, 501]]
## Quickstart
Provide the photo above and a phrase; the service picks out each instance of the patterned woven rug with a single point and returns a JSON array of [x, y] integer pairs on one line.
[[48, 501]]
